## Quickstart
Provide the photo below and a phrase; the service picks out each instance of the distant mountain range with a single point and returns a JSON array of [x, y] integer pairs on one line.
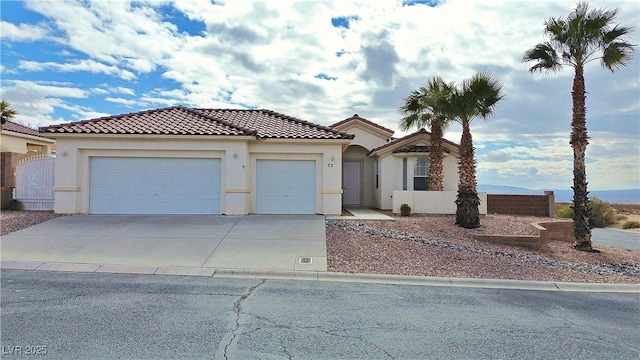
[[626, 196]]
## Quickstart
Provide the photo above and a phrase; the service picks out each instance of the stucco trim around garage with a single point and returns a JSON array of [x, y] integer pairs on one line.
[[66, 188]]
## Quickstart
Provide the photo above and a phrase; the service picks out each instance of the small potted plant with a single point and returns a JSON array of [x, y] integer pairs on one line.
[[405, 210]]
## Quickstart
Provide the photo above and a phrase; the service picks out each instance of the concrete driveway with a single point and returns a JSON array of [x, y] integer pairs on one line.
[[169, 244]]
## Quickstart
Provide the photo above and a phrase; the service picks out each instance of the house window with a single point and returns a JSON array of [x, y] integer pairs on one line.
[[404, 173], [377, 172], [420, 174]]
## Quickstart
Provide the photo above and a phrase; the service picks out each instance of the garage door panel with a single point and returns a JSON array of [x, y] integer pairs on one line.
[[154, 186], [285, 187]]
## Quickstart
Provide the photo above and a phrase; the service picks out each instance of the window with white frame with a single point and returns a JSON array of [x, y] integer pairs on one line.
[[420, 173]]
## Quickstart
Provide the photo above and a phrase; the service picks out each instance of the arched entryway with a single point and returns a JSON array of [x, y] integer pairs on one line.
[[357, 177]]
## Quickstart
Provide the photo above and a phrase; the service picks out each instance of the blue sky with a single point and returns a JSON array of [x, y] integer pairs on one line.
[[323, 61]]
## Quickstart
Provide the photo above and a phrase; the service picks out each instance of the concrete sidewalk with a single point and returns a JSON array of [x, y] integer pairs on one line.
[[360, 213], [119, 243]]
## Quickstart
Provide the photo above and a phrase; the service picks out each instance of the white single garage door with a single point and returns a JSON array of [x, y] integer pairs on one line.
[[285, 187], [154, 186]]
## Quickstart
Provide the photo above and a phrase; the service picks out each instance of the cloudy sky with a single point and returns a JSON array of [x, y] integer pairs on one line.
[[323, 61]]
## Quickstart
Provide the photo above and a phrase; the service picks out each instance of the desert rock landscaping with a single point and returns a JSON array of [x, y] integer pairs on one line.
[[432, 245]]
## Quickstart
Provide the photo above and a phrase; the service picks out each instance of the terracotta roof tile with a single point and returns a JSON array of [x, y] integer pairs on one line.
[[415, 134], [270, 124], [15, 127], [357, 117], [178, 120], [416, 149]]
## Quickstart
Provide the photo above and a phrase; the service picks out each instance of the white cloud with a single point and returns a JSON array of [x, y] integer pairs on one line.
[[80, 65], [21, 32], [122, 101], [36, 102], [267, 54]]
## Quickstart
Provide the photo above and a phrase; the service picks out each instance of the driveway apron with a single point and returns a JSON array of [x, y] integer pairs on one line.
[[252, 242]]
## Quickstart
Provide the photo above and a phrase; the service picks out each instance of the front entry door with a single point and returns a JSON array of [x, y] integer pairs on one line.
[[351, 183]]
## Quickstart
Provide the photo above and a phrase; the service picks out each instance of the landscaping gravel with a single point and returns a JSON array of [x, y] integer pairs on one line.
[[434, 246], [17, 220]]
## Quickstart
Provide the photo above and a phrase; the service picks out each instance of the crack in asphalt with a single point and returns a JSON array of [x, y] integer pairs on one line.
[[237, 307], [286, 352]]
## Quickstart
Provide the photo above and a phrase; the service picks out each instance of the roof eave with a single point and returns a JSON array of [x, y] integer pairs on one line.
[[27, 136], [147, 136], [376, 130]]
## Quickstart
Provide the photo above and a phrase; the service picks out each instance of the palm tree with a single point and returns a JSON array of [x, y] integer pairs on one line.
[[584, 36], [477, 97], [7, 112], [424, 108]]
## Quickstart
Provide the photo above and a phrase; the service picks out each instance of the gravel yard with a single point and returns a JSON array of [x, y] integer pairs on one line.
[[16, 220], [431, 245]]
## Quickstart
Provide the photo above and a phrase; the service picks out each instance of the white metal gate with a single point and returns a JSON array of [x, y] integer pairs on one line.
[[34, 183]]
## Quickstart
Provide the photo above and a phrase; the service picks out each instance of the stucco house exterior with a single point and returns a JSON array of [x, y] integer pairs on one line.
[[180, 160], [22, 139], [385, 172]]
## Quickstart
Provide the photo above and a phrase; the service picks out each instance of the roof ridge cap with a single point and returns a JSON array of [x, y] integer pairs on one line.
[[366, 121], [305, 122], [199, 112], [415, 133]]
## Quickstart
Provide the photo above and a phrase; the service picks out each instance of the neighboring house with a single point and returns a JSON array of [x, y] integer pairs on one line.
[[18, 142], [384, 172], [24, 140], [180, 160]]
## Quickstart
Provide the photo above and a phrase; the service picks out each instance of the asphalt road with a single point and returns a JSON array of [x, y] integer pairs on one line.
[[617, 238], [109, 316]]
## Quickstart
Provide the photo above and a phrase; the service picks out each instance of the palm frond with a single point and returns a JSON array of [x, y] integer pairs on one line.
[[616, 55], [545, 57], [426, 105]]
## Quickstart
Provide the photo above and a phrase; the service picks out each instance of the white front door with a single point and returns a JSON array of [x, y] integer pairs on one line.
[[351, 183]]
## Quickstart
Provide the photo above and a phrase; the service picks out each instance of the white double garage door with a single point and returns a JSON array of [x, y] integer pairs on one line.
[[119, 185]]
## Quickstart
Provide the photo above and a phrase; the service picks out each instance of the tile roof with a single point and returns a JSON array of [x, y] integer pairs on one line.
[[179, 120], [270, 124], [357, 117], [15, 127], [416, 149], [412, 135]]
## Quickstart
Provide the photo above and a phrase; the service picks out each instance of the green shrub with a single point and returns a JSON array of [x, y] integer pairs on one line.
[[620, 217], [631, 225], [601, 213], [564, 212]]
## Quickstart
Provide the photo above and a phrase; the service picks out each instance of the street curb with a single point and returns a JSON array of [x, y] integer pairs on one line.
[[427, 281], [330, 277]]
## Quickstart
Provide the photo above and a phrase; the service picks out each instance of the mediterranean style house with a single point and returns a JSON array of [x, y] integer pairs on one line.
[[180, 160]]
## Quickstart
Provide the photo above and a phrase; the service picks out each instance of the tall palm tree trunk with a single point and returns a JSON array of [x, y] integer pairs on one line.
[[467, 214], [436, 156], [579, 141]]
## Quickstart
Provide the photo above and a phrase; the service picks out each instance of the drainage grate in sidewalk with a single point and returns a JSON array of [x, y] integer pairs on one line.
[[305, 260]]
